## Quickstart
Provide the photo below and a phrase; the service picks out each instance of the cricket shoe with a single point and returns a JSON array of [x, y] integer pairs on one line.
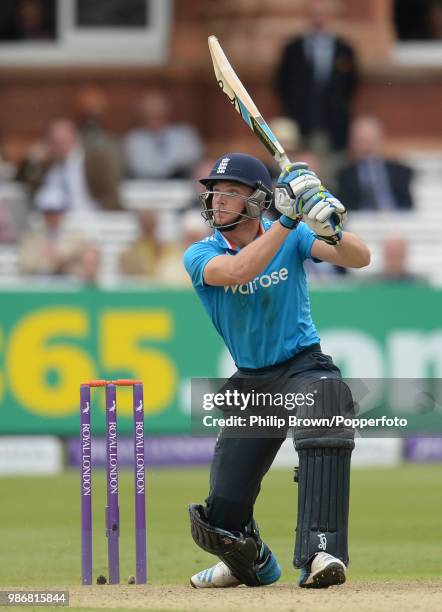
[[323, 572], [219, 576]]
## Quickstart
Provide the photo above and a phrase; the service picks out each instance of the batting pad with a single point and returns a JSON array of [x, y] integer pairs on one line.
[[323, 502], [324, 474]]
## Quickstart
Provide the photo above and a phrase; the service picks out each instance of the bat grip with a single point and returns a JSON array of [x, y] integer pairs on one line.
[[294, 166], [300, 166]]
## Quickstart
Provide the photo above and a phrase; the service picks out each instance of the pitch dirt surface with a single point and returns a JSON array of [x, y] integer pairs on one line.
[[395, 557], [361, 596]]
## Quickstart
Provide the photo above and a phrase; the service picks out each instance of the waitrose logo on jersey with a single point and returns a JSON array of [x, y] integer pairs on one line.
[[265, 281]]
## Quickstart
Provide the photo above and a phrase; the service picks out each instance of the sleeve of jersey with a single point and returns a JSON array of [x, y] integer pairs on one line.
[[196, 258], [305, 238]]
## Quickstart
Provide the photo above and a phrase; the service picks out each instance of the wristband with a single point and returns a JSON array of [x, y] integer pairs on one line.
[[288, 222]]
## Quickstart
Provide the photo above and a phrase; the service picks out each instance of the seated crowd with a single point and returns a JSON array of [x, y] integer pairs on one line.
[[78, 166]]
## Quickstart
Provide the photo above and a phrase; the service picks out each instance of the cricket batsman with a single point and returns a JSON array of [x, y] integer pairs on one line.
[[250, 278]]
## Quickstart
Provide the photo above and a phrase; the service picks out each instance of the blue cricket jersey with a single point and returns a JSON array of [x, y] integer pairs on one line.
[[267, 320]]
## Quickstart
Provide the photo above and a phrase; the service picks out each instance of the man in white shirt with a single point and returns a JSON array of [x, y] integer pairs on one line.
[[67, 173], [158, 148]]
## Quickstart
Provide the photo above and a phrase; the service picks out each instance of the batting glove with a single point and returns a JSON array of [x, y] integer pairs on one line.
[[295, 181], [325, 215]]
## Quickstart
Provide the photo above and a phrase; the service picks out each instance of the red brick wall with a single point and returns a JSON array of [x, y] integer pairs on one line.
[[253, 33]]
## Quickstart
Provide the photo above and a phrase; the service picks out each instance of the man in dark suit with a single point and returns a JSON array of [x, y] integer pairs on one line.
[[316, 79], [370, 181]]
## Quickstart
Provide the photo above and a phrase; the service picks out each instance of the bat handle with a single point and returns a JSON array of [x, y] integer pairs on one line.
[[300, 165], [284, 162]]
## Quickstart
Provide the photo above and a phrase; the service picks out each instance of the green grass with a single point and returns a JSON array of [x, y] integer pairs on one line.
[[394, 525]]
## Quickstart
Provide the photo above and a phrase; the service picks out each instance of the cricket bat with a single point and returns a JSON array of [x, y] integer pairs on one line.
[[243, 103]]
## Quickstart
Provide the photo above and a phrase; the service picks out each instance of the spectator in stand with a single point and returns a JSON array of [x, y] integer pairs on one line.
[[150, 259], [66, 172], [316, 80], [395, 262], [202, 168], [50, 249], [29, 20], [142, 256], [89, 265], [418, 20], [370, 181], [435, 20], [104, 156], [32, 169], [85, 175], [192, 231], [8, 233], [171, 270], [92, 106], [158, 148], [287, 132], [7, 168]]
